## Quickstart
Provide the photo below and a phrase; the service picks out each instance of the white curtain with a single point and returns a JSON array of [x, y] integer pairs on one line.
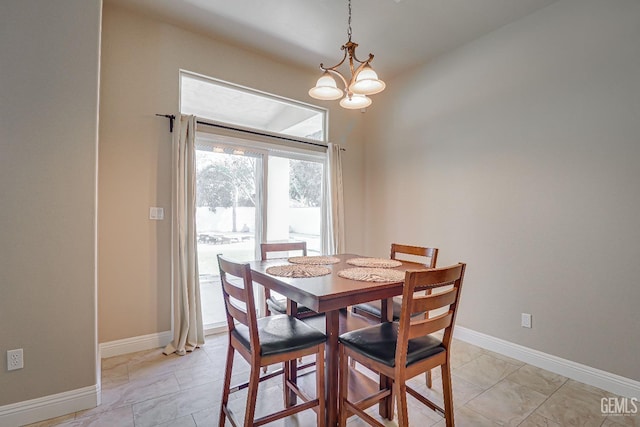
[[188, 330], [335, 203]]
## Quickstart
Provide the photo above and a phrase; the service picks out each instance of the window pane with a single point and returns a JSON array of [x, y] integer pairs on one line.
[[225, 220], [295, 201], [223, 102]]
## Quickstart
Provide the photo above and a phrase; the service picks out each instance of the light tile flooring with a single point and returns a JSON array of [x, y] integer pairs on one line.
[[150, 389]]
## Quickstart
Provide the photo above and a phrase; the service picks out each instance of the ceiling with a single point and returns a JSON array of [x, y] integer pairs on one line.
[[400, 33]]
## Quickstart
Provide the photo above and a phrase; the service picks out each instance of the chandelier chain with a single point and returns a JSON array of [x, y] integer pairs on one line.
[[349, 30]]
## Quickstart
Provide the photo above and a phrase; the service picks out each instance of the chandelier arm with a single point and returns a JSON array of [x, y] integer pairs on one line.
[[322, 67], [362, 62], [351, 69]]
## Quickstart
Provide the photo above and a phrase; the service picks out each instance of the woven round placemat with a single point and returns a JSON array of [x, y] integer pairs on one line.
[[372, 274], [298, 270], [374, 262], [314, 260]]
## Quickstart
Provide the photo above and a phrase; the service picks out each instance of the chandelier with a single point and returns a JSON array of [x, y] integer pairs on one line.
[[364, 81]]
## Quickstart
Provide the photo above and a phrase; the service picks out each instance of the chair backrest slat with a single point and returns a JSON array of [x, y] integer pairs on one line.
[[422, 303], [233, 289], [418, 251], [237, 285], [238, 314], [424, 327], [266, 248], [412, 301], [436, 278]]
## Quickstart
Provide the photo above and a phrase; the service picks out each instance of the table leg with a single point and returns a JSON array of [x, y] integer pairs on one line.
[[385, 408], [332, 366]]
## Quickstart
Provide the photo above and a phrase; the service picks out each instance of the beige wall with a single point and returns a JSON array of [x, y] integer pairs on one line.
[[518, 154], [141, 59], [48, 148]]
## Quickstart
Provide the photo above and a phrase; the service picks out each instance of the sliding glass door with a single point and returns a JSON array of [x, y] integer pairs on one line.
[[227, 218], [231, 181]]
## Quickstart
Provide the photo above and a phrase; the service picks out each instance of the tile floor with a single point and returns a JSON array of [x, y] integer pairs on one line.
[[149, 389]]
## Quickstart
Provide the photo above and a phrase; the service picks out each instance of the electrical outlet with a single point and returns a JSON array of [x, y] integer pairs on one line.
[[14, 359], [526, 320]]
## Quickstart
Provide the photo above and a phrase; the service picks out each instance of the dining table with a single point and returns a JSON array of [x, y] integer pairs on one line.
[[328, 294]]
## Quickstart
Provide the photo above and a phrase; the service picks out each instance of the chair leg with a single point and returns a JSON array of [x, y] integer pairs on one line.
[[400, 390], [226, 385], [427, 378], [386, 409], [285, 388], [267, 312], [320, 387], [252, 394], [290, 375], [447, 394], [343, 386]]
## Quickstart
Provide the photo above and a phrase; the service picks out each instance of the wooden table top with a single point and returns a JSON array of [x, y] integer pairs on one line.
[[329, 292]]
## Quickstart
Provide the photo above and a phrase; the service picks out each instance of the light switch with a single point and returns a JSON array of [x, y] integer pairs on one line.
[[156, 213], [526, 320]]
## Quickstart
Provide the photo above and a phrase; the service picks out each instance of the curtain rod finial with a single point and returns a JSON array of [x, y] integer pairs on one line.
[[171, 118]]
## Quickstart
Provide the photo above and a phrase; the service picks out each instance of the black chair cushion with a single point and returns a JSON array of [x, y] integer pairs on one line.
[[374, 308], [281, 334], [280, 306], [379, 343], [319, 321]]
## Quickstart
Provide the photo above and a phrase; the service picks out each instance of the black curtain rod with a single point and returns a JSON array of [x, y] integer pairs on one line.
[[172, 117], [258, 133]]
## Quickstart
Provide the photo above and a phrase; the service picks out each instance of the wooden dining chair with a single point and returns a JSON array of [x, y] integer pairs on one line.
[[273, 304], [262, 342], [401, 350], [426, 256]]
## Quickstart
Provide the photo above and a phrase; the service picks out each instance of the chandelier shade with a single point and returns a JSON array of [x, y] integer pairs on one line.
[[326, 88], [367, 82], [363, 81], [355, 102]]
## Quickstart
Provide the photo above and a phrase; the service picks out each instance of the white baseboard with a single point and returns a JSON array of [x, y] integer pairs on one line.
[[605, 380], [133, 344], [43, 408]]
